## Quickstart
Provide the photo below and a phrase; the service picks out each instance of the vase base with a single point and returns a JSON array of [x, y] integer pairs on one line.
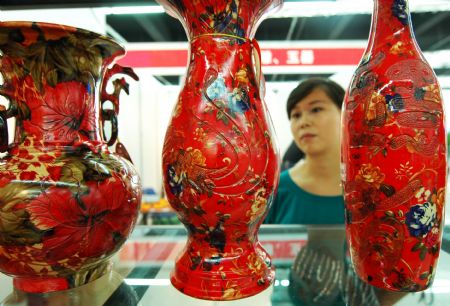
[[52, 284], [214, 285]]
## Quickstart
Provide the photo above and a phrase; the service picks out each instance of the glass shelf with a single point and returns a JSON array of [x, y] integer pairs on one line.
[[141, 274]]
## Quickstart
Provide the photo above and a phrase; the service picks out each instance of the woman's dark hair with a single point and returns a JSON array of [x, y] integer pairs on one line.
[[292, 155], [332, 89]]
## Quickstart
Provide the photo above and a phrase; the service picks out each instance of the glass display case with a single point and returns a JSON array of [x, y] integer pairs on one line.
[[312, 268]]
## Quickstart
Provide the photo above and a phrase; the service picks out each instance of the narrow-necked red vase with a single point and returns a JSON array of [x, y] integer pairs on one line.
[[220, 159], [66, 202], [394, 157]]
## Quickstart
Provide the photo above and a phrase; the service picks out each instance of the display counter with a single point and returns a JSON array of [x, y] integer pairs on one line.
[[141, 274]]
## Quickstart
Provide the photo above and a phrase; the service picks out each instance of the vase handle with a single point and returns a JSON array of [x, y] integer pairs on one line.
[[3, 131], [119, 85], [5, 113], [260, 82]]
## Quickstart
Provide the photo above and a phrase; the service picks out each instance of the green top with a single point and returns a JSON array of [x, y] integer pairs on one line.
[[293, 205]]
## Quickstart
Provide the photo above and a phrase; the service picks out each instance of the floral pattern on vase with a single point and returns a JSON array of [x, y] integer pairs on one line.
[[66, 202], [220, 160], [394, 157]]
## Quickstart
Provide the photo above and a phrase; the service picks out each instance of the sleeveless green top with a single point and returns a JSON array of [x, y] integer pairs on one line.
[[293, 205]]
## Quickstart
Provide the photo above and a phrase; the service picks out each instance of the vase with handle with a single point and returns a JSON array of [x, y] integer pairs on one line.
[[67, 203], [220, 158]]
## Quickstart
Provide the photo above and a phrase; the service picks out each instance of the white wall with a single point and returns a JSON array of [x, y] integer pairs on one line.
[[143, 119]]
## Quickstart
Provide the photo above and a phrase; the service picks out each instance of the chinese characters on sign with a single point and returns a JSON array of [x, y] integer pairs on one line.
[[291, 57]]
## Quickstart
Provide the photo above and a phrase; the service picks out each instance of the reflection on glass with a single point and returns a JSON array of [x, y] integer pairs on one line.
[[312, 268], [109, 290]]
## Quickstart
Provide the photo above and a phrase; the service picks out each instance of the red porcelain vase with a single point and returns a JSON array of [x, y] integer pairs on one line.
[[66, 202], [394, 157], [220, 159]]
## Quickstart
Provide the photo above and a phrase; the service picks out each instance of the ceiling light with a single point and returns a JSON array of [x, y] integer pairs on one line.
[[350, 7], [303, 8], [147, 282], [122, 10]]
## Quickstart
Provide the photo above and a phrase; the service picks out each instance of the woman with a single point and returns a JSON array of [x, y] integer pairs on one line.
[[310, 191]]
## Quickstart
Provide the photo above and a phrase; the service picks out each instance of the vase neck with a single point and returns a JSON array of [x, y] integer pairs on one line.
[[227, 70], [391, 22], [61, 115], [54, 98], [222, 53], [232, 17]]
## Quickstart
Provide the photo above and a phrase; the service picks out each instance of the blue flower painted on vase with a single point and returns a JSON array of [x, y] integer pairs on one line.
[[395, 102], [217, 89], [233, 7], [399, 11], [420, 219], [221, 21], [175, 181], [239, 32], [419, 93], [239, 101]]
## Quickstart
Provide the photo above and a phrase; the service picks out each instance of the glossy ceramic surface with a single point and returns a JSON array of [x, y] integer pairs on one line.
[[220, 160], [394, 157], [66, 202]]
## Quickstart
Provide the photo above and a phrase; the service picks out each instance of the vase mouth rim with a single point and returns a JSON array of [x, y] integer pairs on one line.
[[56, 27], [269, 7]]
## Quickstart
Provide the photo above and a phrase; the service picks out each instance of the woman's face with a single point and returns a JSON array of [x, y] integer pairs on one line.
[[316, 124]]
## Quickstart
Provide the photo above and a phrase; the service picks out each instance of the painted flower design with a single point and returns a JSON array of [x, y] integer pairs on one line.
[[239, 31], [13, 217], [189, 164], [404, 172], [399, 11], [217, 89], [17, 264], [200, 135], [432, 238], [27, 165], [259, 204], [371, 175], [432, 93], [376, 107], [439, 198], [423, 195], [224, 20], [241, 76], [256, 264], [6, 177], [401, 48], [239, 101], [395, 103], [62, 113], [194, 158], [88, 225], [175, 180], [231, 292], [421, 218]]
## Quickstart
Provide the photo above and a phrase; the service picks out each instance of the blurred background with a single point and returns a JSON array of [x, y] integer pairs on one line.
[[302, 39]]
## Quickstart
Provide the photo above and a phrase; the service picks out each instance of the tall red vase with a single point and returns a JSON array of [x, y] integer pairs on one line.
[[220, 160], [66, 202], [394, 157]]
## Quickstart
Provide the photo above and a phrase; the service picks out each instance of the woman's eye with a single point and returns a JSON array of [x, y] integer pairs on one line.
[[296, 115], [316, 109]]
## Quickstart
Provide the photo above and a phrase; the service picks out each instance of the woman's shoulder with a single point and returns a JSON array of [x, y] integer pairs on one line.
[[286, 182], [284, 176]]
